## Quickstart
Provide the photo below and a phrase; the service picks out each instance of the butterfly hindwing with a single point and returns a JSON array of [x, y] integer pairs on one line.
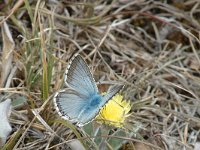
[[76, 107], [69, 104], [88, 116]]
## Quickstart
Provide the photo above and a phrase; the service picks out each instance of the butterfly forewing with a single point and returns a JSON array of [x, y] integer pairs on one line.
[[79, 77], [111, 92]]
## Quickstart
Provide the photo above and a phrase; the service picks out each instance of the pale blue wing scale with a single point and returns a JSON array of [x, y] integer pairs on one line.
[[90, 113], [79, 77], [87, 116], [112, 91], [69, 104]]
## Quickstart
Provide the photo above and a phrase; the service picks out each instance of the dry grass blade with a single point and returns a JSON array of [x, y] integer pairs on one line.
[[7, 54]]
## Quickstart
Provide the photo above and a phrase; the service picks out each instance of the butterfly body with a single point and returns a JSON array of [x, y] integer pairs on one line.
[[95, 100], [81, 102]]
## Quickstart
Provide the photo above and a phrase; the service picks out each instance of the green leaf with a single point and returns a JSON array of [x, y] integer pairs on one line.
[[116, 143], [19, 101]]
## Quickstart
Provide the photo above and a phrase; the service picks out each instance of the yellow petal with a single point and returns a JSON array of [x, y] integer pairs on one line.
[[115, 111]]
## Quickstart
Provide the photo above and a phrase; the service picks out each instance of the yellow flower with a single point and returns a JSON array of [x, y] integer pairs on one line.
[[115, 111]]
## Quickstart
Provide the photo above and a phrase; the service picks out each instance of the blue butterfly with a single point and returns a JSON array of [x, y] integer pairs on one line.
[[81, 102]]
